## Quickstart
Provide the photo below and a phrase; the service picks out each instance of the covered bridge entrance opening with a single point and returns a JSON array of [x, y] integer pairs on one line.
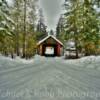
[[49, 50], [50, 46]]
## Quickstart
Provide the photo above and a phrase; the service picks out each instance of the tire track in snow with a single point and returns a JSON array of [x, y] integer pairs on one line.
[[79, 77], [15, 69], [49, 73], [24, 75]]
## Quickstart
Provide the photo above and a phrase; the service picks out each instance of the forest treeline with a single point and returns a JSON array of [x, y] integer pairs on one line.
[[81, 23], [19, 31], [21, 28]]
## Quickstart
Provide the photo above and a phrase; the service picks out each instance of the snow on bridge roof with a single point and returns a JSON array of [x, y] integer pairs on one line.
[[49, 37]]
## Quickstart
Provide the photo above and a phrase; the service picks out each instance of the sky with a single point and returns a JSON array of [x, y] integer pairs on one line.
[[10, 2], [52, 10]]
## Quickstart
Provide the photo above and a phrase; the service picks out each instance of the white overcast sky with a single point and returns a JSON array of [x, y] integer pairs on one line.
[[52, 10], [10, 2]]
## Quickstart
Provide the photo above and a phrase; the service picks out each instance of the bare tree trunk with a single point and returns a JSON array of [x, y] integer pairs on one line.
[[17, 41], [17, 33], [76, 44], [24, 34]]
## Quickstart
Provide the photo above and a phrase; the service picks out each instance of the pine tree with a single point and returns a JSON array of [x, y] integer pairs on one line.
[[60, 32], [25, 18], [82, 24], [41, 27], [6, 29]]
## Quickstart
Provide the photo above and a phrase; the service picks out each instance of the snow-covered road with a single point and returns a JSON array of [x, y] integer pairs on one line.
[[50, 79]]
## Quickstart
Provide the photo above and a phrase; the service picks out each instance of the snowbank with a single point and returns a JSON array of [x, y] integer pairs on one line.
[[88, 62], [89, 59], [92, 62], [16, 60], [36, 58]]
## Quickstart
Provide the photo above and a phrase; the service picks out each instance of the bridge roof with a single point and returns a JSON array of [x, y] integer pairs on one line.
[[50, 36]]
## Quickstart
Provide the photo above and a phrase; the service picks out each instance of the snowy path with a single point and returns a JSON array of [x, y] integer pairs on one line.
[[49, 79]]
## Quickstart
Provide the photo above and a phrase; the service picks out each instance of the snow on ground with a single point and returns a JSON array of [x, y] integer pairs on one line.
[[88, 62], [16, 60], [43, 78]]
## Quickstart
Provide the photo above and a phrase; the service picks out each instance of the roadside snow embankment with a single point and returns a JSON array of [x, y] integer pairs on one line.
[[88, 62], [16, 60], [92, 62]]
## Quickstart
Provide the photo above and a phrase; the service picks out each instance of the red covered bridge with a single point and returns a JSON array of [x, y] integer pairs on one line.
[[50, 46]]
